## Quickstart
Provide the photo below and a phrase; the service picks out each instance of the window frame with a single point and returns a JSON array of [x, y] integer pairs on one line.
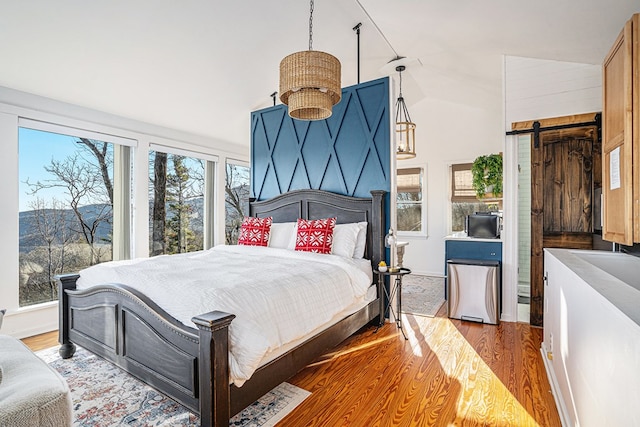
[[122, 208], [423, 201], [211, 163], [16, 105], [465, 198], [230, 161]]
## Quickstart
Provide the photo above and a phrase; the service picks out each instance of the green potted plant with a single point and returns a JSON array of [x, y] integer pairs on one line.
[[487, 175]]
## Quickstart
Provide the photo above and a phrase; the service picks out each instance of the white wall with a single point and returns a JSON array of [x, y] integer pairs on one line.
[[537, 89], [447, 133], [21, 322]]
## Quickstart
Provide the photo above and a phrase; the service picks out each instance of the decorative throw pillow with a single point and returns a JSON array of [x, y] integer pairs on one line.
[[361, 243], [315, 235], [345, 237], [255, 231], [283, 235]]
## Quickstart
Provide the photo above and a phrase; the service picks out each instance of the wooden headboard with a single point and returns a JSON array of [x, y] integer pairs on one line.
[[318, 204]]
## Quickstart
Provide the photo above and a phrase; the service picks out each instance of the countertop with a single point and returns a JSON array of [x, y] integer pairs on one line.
[[464, 237], [623, 295]]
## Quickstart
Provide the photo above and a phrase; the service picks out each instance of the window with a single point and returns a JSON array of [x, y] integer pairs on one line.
[[409, 203], [236, 200], [463, 197], [177, 201], [67, 199]]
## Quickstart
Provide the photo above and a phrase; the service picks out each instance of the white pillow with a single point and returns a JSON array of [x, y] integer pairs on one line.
[[283, 235], [345, 237], [361, 242]]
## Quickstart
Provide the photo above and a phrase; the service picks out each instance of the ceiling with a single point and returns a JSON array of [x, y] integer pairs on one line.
[[202, 66]]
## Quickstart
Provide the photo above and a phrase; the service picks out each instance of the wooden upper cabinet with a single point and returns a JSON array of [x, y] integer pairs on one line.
[[621, 137]]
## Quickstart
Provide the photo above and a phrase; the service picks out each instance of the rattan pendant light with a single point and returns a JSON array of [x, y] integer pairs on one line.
[[310, 81], [405, 128]]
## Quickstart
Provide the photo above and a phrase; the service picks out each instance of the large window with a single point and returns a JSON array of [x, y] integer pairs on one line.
[[66, 205], [463, 197], [409, 203], [176, 202], [236, 199]]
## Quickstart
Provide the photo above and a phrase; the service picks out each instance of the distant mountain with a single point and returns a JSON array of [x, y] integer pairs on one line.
[[29, 237]]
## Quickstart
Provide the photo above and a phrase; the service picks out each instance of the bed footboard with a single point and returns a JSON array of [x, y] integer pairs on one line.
[[124, 327], [214, 368]]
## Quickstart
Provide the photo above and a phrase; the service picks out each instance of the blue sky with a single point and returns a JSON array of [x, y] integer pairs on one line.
[[36, 149]]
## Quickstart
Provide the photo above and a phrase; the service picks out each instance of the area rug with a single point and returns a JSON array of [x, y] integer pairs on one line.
[[422, 295], [104, 395]]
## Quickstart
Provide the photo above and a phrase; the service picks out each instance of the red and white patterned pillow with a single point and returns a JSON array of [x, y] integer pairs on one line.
[[315, 235], [255, 231]]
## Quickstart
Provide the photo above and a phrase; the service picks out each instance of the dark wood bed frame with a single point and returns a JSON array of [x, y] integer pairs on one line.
[[191, 365]]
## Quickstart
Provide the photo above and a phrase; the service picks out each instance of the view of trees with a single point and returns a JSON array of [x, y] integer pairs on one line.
[[67, 196], [236, 200], [460, 210], [409, 208], [176, 192], [409, 199], [66, 218], [71, 230]]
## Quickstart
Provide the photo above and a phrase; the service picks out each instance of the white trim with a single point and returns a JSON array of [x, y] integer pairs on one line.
[[73, 131], [183, 152], [9, 216], [393, 169], [210, 190], [555, 388], [237, 162], [510, 232]]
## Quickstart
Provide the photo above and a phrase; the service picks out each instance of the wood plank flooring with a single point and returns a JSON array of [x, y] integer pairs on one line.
[[449, 373]]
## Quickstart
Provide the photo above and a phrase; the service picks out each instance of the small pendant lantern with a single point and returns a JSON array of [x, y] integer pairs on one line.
[[405, 128], [310, 81]]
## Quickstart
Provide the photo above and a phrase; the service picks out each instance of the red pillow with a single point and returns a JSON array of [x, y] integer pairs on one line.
[[315, 235], [255, 231]]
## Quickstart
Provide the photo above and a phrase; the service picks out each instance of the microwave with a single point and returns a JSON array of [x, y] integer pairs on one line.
[[483, 225]]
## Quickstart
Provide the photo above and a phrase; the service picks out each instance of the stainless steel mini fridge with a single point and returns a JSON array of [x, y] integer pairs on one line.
[[473, 289]]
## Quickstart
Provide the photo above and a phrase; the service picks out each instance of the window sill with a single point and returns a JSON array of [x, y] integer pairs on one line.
[[412, 235]]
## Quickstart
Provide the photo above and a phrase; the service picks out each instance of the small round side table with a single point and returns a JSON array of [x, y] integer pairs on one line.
[[395, 289]]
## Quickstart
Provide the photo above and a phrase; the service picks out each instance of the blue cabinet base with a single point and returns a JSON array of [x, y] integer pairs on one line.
[[473, 249]]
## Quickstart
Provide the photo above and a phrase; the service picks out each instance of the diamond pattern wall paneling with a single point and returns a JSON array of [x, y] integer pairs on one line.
[[348, 153]]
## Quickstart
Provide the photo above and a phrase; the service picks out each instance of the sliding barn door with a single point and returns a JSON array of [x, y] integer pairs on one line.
[[565, 167]]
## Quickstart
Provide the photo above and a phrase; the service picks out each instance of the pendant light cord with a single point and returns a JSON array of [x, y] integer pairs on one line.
[[311, 27], [377, 28]]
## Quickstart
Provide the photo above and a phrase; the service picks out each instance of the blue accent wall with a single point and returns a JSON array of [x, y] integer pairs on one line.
[[348, 153]]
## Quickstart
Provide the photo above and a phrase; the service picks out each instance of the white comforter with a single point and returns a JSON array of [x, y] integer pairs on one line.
[[277, 295]]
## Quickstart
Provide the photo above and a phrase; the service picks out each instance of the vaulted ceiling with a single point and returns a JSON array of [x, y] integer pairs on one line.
[[202, 66]]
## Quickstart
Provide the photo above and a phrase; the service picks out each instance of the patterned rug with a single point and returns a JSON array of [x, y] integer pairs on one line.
[[104, 395], [422, 295]]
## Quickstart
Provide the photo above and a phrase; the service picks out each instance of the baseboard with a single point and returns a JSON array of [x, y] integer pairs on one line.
[[555, 389], [30, 321]]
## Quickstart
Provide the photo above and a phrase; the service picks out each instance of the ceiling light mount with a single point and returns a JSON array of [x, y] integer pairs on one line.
[[310, 81]]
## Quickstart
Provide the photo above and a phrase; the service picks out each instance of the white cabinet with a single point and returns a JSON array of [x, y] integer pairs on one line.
[[591, 348]]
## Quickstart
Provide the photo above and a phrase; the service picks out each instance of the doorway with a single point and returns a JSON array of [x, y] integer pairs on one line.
[[565, 173]]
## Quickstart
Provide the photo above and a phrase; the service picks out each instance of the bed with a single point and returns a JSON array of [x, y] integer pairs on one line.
[[191, 364]]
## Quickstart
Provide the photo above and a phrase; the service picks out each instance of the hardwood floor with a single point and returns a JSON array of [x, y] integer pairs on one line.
[[449, 373]]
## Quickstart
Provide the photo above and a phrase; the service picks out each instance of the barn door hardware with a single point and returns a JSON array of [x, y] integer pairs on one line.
[[536, 129]]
